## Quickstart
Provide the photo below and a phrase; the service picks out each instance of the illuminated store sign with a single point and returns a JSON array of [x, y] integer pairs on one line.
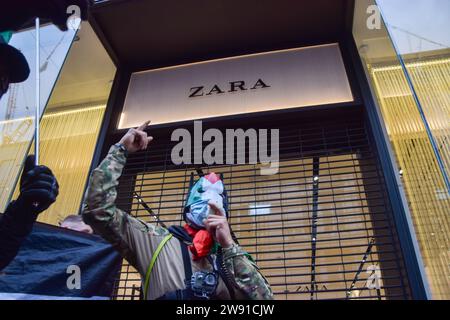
[[275, 80]]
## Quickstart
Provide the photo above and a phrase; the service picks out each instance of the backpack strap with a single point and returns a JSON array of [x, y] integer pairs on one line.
[[153, 261], [187, 263], [181, 234]]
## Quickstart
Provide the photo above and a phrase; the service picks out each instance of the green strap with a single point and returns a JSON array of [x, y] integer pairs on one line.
[[153, 261], [6, 35]]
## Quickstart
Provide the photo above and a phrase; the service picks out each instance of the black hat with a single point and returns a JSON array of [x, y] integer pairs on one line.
[[15, 62]]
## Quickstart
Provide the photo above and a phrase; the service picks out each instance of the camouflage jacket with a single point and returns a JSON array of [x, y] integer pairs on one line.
[[136, 241]]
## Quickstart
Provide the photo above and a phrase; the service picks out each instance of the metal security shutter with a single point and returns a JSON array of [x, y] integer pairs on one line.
[[320, 228]]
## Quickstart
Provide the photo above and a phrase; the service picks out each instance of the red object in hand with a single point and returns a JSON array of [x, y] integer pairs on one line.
[[202, 242]]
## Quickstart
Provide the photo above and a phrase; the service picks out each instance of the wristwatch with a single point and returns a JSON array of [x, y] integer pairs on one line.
[[122, 148]]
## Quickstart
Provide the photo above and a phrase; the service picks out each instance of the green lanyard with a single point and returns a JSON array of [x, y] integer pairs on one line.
[[153, 261]]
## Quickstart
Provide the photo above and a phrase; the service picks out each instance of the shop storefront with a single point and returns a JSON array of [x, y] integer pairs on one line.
[[355, 203]]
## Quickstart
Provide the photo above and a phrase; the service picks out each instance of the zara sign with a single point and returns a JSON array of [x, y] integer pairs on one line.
[[233, 86], [293, 78]]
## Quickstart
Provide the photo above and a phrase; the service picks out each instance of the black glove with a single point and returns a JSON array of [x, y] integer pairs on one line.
[[38, 186]]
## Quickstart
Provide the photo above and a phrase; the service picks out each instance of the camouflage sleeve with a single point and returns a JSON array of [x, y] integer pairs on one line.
[[247, 275], [100, 211]]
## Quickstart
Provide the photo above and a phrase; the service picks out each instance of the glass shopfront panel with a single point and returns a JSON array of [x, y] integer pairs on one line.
[[72, 121], [407, 53], [18, 105]]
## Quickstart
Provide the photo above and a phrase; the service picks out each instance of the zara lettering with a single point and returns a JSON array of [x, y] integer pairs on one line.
[[233, 86]]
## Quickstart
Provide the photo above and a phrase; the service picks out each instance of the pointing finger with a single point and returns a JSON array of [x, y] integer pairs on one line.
[[218, 211], [143, 126]]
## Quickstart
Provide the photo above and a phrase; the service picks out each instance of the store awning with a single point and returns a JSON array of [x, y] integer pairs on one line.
[[143, 34]]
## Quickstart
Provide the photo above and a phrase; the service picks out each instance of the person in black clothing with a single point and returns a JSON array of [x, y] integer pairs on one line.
[[38, 186], [38, 190]]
